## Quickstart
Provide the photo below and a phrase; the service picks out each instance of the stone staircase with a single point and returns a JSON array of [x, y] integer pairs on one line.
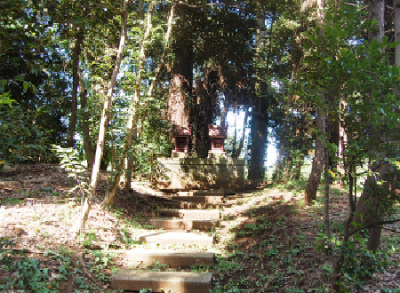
[[189, 222]]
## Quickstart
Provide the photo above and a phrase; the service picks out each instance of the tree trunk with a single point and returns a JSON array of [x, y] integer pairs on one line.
[[128, 160], [396, 6], [372, 204], [235, 112], [242, 138], [132, 123], [259, 119], [288, 168], [342, 142], [79, 226], [283, 145], [327, 187], [318, 162], [165, 51], [369, 205], [376, 10], [85, 124], [180, 93], [75, 76], [258, 143], [161, 63], [299, 164]]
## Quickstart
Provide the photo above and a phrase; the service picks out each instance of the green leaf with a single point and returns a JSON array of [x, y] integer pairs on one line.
[[20, 77], [26, 85]]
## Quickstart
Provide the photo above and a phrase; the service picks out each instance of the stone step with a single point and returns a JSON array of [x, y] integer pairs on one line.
[[200, 199], [184, 224], [202, 193], [177, 282], [172, 258], [177, 238], [191, 214], [190, 205]]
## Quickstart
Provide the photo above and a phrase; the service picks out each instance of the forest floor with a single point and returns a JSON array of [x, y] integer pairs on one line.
[[267, 242]]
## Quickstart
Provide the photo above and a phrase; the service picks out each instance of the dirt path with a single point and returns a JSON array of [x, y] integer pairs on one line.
[[267, 240]]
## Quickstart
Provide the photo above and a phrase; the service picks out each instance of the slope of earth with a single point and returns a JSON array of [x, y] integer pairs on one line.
[[267, 241]]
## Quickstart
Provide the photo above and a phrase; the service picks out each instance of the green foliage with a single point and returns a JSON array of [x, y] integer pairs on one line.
[[103, 260], [351, 81], [26, 273], [21, 140], [32, 74], [71, 162], [355, 79], [359, 263], [88, 238]]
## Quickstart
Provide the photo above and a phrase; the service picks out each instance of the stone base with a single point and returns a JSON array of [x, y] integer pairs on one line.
[[180, 155], [216, 155], [199, 173]]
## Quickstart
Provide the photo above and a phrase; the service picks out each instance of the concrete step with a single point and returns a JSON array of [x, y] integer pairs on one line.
[[191, 214], [177, 282], [178, 238], [202, 193], [172, 258], [184, 224], [189, 205], [200, 199]]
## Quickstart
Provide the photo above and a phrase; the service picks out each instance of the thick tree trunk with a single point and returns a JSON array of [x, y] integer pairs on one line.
[[79, 226], [259, 140], [75, 83], [202, 113], [372, 203], [318, 162], [242, 137], [259, 119], [180, 93]]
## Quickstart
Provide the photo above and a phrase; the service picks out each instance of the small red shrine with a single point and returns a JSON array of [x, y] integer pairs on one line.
[[217, 135], [181, 136]]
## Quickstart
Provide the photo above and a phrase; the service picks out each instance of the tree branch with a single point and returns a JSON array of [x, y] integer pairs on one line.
[[373, 224]]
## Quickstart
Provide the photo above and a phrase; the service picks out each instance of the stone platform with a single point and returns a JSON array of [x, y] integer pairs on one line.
[[201, 173]]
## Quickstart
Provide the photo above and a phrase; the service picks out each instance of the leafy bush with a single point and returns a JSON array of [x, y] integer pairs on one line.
[[26, 273], [20, 139]]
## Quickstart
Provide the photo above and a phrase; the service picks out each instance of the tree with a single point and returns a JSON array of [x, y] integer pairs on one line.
[[133, 111], [314, 179], [342, 67], [31, 72], [80, 224]]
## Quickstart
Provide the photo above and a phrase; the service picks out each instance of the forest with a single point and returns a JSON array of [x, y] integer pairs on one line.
[[92, 90]]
